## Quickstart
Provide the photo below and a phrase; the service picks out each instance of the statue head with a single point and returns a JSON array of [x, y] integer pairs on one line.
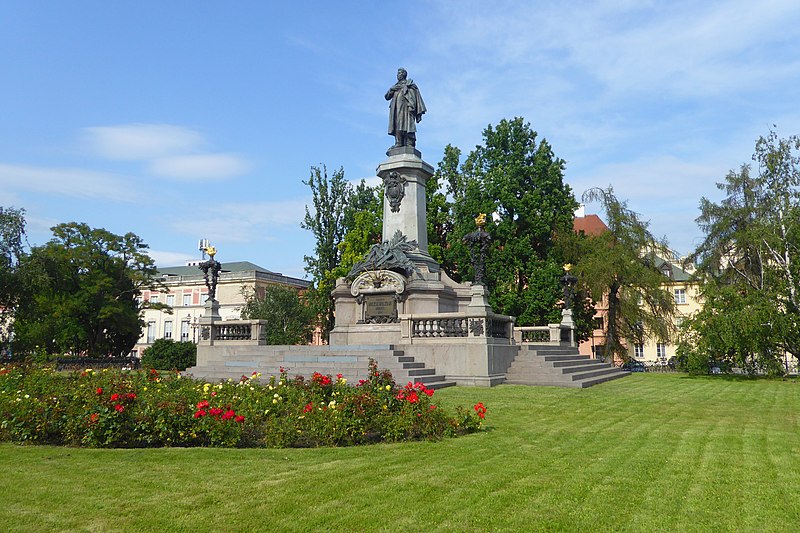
[[401, 74]]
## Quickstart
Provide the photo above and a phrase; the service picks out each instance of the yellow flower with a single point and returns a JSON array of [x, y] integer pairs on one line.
[[388, 387], [274, 401], [144, 388], [206, 387]]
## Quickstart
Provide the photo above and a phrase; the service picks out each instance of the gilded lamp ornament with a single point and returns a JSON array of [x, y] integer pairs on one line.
[[478, 242], [211, 270], [568, 281]]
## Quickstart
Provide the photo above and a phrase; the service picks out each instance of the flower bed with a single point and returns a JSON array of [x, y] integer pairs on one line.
[[113, 408]]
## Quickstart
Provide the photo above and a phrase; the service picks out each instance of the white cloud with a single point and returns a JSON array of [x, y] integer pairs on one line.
[[73, 182], [165, 258], [243, 222], [141, 141], [200, 166]]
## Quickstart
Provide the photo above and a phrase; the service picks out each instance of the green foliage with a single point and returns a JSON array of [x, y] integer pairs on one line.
[[621, 264], [519, 180], [748, 263], [80, 293], [12, 234], [137, 409], [166, 354], [290, 320], [338, 209], [364, 222]]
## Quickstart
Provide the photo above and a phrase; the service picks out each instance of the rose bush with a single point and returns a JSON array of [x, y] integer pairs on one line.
[[112, 408]]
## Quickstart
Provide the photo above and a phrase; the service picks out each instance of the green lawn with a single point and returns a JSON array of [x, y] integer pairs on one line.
[[646, 453]]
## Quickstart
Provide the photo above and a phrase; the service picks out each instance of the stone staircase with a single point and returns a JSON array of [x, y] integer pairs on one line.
[[350, 361], [559, 366]]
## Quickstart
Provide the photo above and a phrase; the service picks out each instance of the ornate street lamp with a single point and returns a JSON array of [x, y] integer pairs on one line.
[[478, 242]]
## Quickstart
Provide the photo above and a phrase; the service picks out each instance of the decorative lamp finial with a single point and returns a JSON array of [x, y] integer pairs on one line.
[[211, 251], [480, 220], [567, 267]]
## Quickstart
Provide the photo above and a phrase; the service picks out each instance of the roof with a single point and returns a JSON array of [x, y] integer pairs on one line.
[[235, 266], [593, 225], [677, 273], [590, 225]]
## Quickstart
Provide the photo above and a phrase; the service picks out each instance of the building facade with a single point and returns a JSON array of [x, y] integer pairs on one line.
[[185, 293]]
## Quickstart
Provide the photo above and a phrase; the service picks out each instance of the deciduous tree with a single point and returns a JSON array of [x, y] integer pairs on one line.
[[81, 291], [750, 256], [519, 181], [622, 264], [289, 318]]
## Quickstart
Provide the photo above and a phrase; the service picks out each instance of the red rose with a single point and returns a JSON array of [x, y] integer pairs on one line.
[[239, 419], [199, 413], [114, 397], [202, 404], [99, 390], [119, 408], [308, 408], [131, 396], [230, 413]]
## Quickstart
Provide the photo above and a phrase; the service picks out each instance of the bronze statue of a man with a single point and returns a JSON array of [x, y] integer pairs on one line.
[[405, 110]]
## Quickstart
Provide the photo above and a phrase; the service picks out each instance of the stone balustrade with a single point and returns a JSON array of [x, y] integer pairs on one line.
[[550, 334], [455, 325], [240, 331]]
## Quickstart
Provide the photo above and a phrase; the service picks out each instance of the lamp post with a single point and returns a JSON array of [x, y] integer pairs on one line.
[[478, 242], [211, 270]]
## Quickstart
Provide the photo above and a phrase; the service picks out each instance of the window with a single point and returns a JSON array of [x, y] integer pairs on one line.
[[661, 350], [680, 296], [151, 332], [170, 300], [168, 329], [679, 321], [203, 297], [598, 323], [187, 299], [154, 298], [185, 330], [638, 350], [139, 301]]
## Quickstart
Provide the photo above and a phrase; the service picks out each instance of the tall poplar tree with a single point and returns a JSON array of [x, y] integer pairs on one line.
[[326, 221]]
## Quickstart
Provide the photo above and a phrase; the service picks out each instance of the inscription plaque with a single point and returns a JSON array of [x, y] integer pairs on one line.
[[380, 308]]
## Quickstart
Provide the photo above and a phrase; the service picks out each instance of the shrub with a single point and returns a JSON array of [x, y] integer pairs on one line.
[[166, 354], [113, 408]]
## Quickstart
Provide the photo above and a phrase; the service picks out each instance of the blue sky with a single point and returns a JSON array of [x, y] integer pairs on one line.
[[189, 119]]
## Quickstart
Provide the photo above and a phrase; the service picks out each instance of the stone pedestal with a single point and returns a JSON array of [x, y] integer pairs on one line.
[[404, 204], [567, 327], [210, 313]]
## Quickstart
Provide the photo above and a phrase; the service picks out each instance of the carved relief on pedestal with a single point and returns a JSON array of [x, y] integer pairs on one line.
[[378, 292], [394, 187]]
